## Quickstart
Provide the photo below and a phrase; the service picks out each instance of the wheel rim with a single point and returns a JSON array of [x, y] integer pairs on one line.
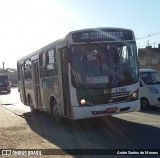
[[55, 111]]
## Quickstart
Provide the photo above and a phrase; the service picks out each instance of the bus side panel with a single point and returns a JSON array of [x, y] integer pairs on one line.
[[21, 83], [49, 87], [29, 90]]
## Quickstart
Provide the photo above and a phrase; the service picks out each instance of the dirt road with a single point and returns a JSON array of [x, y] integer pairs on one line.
[[16, 134]]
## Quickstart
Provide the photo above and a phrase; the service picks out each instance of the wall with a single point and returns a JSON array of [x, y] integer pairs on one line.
[[149, 58]]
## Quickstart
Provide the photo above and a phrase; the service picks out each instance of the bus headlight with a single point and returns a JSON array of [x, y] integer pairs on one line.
[[134, 95], [83, 101]]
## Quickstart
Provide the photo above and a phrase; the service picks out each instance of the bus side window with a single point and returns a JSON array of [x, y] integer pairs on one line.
[[28, 74], [51, 63], [42, 63]]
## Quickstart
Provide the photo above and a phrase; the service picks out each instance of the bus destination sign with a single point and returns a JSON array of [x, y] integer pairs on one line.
[[102, 35]]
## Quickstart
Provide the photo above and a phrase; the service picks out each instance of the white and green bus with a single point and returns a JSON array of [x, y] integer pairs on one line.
[[89, 73]]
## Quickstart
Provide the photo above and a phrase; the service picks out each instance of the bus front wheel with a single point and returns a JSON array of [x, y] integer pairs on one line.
[[55, 110]]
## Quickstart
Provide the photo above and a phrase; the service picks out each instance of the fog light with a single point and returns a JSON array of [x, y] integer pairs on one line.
[[83, 101]]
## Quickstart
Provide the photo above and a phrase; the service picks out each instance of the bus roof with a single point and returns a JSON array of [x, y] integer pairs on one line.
[[100, 28], [42, 49]]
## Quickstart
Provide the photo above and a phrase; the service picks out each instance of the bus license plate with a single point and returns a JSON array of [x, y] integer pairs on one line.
[[111, 110]]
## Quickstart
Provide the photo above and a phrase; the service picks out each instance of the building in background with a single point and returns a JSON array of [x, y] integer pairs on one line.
[[1, 71], [149, 58], [12, 74]]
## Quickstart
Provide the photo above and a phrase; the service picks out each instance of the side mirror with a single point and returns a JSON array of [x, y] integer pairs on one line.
[[18, 90]]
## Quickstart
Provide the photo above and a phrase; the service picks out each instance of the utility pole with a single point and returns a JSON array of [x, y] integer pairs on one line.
[[3, 63], [147, 44]]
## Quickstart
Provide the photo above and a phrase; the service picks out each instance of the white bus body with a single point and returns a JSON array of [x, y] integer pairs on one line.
[[89, 73]]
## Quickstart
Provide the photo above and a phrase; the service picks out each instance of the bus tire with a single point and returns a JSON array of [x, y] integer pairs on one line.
[[144, 103], [55, 110], [30, 103]]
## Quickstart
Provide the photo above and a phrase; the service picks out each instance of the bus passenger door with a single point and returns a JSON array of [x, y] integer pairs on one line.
[[22, 85], [65, 82], [36, 84]]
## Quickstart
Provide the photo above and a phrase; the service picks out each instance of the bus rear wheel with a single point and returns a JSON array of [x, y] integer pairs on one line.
[[55, 111]]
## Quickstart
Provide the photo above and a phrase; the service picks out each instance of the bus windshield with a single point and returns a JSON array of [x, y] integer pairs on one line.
[[113, 64]]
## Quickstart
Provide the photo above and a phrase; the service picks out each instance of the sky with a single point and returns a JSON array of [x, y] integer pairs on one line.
[[27, 25]]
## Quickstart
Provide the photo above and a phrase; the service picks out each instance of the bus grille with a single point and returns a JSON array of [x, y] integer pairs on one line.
[[110, 98]]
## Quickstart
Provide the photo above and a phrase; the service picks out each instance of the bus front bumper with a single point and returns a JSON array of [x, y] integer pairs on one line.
[[82, 112]]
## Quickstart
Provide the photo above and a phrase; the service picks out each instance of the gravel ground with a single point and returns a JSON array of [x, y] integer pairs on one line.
[[16, 134]]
